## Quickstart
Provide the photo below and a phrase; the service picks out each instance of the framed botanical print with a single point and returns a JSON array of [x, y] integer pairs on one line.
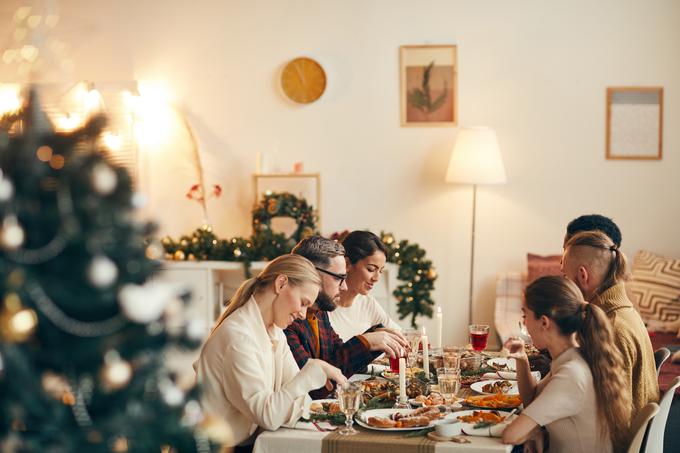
[[428, 85], [634, 123]]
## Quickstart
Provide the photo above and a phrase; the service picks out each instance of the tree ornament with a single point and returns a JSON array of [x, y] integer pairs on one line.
[[12, 235], [102, 272], [196, 329], [171, 393], [178, 256], [6, 189], [2, 366], [116, 372], [432, 273], [104, 179], [146, 303], [154, 251], [17, 326], [55, 385]]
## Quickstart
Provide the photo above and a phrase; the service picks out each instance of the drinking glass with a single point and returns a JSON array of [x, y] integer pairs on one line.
[[412, 356], [349, 399], [394, 364], [479, 335], [449, 384]]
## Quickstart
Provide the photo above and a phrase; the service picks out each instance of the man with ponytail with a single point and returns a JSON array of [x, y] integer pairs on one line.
[[595, 263], [314, 337], [584, 402]]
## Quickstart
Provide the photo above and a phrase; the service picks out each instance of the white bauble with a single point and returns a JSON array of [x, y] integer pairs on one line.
[[12, 235], [104, 179], [6, 189], [144, 304], [102, 272]]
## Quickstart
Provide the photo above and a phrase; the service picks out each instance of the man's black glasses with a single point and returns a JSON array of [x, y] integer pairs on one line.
[[340, 277]]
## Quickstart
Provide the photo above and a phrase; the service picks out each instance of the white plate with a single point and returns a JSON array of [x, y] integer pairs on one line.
[[511, 363], [512, 376], [470, 430], [477, 387], [455, 405], [361, 419], [321, 401]]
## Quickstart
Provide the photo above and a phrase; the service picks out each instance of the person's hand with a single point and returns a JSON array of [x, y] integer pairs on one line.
[[332, 373], [395, 332], [392, 345], [515, 346]]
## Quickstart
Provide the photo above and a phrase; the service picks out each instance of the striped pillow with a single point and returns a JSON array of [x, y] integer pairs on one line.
[[655, 286]]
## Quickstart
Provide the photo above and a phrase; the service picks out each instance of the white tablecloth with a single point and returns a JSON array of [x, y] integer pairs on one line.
[[287, 440]]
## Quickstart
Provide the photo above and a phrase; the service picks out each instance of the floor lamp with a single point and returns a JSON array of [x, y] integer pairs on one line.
[[475, 159]]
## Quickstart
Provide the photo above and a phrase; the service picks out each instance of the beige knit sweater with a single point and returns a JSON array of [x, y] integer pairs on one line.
[[633, 341]]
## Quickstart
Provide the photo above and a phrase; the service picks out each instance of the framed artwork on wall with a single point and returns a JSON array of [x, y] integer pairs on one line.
[[634, 123], [428, 85]]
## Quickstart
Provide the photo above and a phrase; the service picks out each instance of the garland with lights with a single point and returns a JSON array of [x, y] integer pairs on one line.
[[415, 271]]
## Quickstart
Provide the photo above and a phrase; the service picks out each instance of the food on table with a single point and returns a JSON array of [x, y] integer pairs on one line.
[[410, 372], [419, 417], [325, 407], [470, 379], [496, 401], [492, 417], [497, 387], [378, 388], [433, 399]]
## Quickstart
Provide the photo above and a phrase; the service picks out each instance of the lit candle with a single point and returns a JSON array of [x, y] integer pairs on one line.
[[439, 327], [426, 354], [402, 380]]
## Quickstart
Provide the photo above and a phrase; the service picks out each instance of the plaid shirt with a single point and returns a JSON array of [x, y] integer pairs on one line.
[[351, 357]]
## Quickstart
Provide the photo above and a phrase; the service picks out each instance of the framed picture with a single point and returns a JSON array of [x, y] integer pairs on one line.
[[634, 123], [428, 85], [302, 185]]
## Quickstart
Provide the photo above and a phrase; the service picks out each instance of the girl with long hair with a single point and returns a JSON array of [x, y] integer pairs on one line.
[[357, 310], [583, 402], [248, 374]]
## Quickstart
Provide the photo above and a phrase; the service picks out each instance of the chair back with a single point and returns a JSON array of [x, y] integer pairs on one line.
[[657, 426], [639, 426], [660, 356]]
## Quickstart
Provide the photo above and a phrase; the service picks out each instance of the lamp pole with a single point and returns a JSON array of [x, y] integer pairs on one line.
[[472, 251]]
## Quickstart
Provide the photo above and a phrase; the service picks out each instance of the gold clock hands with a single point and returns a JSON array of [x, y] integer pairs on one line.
[[301, 75]]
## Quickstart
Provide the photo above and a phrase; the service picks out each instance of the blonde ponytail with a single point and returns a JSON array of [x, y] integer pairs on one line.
[[298, 269]]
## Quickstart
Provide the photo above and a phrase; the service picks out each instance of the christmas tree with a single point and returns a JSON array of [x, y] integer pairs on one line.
[[83, 334]]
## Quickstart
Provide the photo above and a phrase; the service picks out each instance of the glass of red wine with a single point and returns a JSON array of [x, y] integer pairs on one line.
[[479, 335]]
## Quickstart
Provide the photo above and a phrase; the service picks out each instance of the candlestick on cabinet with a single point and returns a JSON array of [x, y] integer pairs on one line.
[[439, 327]]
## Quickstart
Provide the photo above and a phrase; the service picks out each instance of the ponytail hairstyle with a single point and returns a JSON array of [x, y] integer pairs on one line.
[[606, 253], [362, 244], [298, 269], [561, 300]]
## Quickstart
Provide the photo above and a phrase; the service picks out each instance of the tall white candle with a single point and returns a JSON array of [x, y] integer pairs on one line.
[[402, 380], [426, 356], [439, 327]]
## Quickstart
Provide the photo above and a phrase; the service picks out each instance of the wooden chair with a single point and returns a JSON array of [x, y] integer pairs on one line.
[[660, 356], [639, 426], [657, 427]]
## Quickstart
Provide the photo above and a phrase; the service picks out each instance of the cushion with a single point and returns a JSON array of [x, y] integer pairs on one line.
[[540, 266], [655, 286]]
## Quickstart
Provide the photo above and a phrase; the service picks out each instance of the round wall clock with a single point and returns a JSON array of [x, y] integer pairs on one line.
[[303, 80]]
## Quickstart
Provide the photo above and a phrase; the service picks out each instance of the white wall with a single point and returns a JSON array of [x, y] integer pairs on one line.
[[536, 71]]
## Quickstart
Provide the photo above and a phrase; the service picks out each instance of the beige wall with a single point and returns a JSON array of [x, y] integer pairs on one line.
[[536, 71]]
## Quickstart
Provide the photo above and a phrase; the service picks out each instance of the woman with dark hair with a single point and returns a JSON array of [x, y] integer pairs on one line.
[[357, 310], [584, 402]]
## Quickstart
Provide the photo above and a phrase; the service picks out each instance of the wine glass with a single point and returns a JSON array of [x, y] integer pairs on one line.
[[449, 384], [479, 335], [349, 399]]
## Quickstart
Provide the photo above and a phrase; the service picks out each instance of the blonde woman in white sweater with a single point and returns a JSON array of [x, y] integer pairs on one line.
[[246, 369], [357, 310]]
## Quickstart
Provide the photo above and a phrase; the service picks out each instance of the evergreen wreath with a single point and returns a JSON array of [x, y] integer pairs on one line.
[[284, 204]]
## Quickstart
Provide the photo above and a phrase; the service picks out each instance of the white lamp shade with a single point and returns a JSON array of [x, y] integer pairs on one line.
[[476, 158]]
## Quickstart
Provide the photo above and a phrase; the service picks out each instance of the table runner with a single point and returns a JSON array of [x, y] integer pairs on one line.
[[370, 441]]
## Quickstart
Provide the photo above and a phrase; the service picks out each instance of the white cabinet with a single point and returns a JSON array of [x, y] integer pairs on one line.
[[213, 282]]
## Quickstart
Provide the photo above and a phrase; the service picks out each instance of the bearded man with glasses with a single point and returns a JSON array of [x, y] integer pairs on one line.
[[314, 336]]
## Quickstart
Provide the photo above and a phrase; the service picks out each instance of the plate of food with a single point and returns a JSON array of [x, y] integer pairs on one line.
[[501, 364], [326, 406], [494, 386], [398, 419], [410, 372], [380, 389], [497, 401], [488, 423]]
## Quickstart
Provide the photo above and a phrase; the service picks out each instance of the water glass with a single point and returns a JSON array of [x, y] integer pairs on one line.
[[349, 399], [449, 385]]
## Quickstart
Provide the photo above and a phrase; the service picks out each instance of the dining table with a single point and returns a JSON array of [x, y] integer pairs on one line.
[[307, 437]]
